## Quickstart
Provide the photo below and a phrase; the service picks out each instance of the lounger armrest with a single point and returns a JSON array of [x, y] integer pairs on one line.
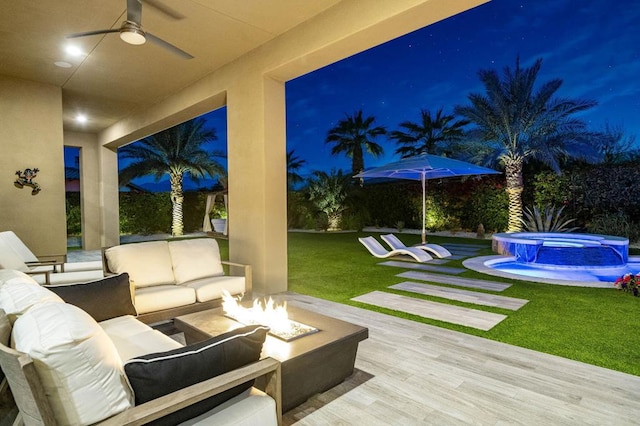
[[152, 410], [54, 263], [47, 275], [247, 273]]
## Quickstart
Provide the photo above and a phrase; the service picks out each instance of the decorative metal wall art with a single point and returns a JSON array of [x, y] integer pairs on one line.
[[26, 179]]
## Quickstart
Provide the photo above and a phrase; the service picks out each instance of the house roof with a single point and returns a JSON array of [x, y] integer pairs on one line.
[[114, 79]]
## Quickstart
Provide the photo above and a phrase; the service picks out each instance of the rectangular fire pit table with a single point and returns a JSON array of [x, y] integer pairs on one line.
[[310, 364]]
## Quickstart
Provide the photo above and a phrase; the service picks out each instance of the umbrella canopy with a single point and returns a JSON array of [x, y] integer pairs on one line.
[[423, 167]]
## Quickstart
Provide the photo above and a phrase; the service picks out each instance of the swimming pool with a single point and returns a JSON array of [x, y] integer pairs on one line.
[[569, 259]]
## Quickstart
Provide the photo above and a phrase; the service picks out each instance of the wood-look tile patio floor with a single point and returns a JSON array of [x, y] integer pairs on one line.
[[409, 373]]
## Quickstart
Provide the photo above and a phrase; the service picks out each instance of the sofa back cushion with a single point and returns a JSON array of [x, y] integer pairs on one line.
[[147, 263], [103, 299], [21, 293], [195, 258], [78, 364], [154, 375]]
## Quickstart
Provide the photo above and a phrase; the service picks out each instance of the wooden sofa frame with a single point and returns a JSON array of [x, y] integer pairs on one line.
[[34, 407], [171, 313]]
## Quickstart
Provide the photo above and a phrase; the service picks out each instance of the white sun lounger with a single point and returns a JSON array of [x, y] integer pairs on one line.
[[376, 249], [20, 249], [395, 244]]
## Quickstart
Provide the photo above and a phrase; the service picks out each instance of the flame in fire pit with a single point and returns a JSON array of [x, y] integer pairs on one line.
[[265, 313]]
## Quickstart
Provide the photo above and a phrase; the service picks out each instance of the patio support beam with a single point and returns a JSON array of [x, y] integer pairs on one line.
[[258, 179]]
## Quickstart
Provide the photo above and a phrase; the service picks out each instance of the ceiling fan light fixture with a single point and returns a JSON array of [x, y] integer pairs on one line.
[[132, 34]]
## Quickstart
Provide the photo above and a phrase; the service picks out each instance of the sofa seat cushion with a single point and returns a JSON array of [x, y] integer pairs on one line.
[[154, 375], [158, 297], [133, 338], [147, 263], [211, 288], [78, 365], [102, 299], [195, 258], [251, 407], [125, 326], [19, 294]]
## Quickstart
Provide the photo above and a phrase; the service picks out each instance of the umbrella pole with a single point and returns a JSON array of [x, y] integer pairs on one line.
[[424, 210]]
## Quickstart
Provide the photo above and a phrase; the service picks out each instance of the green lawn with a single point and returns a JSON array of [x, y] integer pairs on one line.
[[595, 326]]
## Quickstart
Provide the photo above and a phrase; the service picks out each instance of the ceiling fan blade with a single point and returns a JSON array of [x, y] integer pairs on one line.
[[168, 46], [90, 33], [161, 7], [134, 11]]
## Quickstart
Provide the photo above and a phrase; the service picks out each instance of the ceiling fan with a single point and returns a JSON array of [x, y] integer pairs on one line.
[[131, 30]]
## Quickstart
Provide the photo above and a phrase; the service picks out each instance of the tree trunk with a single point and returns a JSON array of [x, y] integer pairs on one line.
[[177, 198], [334, 221], [513, 172]]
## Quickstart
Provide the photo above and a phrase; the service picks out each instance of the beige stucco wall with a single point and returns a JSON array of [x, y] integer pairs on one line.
[[31, 136]]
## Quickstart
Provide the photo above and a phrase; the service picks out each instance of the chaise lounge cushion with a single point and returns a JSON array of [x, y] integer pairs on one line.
[[195, 258], [155, 375], [147, 264], [78, 364], [102, 299]]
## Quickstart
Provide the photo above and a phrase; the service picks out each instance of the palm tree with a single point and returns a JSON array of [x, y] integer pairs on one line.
[[431, 136], [294, 163], [176, 151], [354, 135], [328, 193], [520, 124]]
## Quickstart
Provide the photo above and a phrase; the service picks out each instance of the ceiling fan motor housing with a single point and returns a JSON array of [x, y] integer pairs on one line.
[[131, 33]]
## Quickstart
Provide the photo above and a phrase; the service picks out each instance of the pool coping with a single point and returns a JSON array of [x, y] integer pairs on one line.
[[478, 264]]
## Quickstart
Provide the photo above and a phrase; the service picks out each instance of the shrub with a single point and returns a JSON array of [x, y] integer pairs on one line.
[[145, 213], [487, 205], [74, 225], [615, 224], [547, 220]]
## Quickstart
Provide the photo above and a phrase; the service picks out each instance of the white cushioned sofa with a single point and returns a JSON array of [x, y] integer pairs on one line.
[[65, 368], [172, 278]]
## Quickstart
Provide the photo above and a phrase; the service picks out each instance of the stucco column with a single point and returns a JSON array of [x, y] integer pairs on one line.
[[109, 201], [89, 187], [258, 179]]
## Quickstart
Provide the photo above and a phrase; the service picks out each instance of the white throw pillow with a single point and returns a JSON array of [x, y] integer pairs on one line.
[[195, 258], [17, 296], [147, 263], [78, 365]]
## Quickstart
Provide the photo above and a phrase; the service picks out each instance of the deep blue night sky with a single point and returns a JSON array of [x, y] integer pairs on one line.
[[594, 47]]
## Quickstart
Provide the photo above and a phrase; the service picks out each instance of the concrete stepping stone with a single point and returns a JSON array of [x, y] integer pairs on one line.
[[457, 281], [468, 296], [473, 318], [423, 267]]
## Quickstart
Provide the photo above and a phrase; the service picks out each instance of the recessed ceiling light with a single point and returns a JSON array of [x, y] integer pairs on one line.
[[73, 50], [81, 118], [62, 64]]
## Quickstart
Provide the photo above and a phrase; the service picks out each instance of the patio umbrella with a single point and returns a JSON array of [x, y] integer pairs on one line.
[[423, 167]]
